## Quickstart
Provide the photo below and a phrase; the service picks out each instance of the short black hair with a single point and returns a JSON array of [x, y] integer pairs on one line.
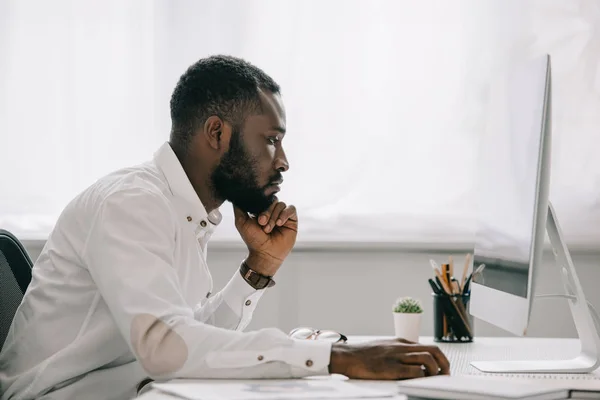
[[220, 85]]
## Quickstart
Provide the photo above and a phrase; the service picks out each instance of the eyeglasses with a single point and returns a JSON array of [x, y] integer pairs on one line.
[[317, 334]]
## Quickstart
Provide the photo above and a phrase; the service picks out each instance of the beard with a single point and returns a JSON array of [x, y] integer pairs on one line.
[[235, 179]]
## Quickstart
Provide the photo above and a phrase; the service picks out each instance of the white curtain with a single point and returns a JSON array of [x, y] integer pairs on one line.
[[385, 102], [76, 100]]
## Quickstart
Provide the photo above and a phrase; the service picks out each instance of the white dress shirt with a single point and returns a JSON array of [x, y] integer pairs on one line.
[[119, 294]]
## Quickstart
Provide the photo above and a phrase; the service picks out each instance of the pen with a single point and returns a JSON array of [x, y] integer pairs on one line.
[[477, 271], [434, 287], [441, 283]]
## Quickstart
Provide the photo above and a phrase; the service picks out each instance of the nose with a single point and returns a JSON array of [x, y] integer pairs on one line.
[[281, 163]]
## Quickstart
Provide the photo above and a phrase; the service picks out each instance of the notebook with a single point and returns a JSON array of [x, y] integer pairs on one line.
[[443, 387], [288, 389]]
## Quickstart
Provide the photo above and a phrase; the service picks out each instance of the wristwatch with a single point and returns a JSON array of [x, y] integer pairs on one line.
[[254, 279]]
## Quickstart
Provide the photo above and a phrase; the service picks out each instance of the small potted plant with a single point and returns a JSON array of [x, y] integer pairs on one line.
[[407, 318]]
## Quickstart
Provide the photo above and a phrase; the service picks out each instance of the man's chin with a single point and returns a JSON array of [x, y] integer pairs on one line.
[[270, 199], [257, 207]]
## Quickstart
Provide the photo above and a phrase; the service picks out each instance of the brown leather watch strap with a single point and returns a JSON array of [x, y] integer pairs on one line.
[[254, 279]]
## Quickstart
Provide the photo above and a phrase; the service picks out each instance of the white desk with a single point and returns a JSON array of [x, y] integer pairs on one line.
[[460, 355]]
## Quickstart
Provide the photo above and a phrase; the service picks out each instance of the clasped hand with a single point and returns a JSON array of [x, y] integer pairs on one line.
[[270, 236]]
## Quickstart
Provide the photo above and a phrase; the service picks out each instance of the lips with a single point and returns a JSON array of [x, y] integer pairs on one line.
[[273, 186], [272, 189]]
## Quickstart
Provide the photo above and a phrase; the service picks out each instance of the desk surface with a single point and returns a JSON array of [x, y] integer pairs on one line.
[[461, 354]]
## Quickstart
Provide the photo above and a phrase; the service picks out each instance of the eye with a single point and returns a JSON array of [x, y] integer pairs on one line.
[[273, 140]]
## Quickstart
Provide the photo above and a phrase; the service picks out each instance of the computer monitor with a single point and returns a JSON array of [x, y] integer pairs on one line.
[[514, 214]]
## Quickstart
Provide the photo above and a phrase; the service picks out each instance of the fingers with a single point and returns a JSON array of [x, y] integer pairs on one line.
[[405, 341], [277, 215], [287, 214], [437, 354], [403, 371], [422, 358]]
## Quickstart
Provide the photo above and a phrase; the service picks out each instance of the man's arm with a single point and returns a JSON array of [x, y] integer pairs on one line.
[[129, 254], [269, 238]]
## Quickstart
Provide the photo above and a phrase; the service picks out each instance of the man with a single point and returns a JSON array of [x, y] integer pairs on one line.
[[121, 292]]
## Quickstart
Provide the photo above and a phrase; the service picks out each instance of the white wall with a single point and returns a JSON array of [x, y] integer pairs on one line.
[[353, 290]]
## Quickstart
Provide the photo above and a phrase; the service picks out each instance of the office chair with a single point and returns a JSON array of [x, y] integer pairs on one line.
[[15, 276]]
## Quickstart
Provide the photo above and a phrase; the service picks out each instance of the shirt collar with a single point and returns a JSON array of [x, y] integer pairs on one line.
[[191, 207]]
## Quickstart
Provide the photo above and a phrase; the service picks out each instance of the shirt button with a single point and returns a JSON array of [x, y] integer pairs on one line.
[[309, 363], [260, 358], [189, 218], [248, 302], [203, 223]]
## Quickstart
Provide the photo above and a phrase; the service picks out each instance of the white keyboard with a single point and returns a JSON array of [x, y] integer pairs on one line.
[[486, 349]]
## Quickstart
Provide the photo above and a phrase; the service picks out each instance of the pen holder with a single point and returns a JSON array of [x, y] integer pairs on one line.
[[451, 319]]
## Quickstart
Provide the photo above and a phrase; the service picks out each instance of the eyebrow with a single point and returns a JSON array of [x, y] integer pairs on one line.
[[278, 129]]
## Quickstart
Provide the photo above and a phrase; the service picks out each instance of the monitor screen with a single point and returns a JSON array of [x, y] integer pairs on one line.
[[509, 159]]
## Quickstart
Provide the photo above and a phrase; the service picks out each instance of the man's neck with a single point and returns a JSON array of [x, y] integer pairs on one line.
[[205, 192], [199, 174]]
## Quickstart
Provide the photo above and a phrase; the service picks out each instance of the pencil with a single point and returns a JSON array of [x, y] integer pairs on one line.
[[443, 282], [451, 265], [446, 273], [464, 275], [455, 287], [434, 265]]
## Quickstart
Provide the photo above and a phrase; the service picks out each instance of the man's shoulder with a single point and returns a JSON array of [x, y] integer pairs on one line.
[[143, 184]]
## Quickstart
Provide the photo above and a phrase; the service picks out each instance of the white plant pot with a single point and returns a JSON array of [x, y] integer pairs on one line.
[[407, 326]]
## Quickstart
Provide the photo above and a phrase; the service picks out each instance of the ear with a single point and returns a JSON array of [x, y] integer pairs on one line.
[[217, 133]]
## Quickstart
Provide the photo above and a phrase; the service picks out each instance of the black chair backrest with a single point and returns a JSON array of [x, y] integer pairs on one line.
[[15, 276]]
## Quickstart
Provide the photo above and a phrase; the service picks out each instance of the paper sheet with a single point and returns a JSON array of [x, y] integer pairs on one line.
[[269, 389]]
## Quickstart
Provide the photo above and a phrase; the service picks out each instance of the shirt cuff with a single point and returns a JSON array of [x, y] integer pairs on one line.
[[241, 298], [304, 357], [310, 357]]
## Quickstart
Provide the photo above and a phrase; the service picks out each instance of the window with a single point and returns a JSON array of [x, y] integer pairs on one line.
[[385, 101]]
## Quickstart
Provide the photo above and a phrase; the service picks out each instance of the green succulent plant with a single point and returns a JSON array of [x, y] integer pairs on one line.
[[408, 305]]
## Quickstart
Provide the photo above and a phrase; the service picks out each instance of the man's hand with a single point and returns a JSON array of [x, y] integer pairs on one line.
[[270, 237], [387, 360]]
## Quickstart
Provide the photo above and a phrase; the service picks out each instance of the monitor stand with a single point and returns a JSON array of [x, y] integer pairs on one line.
[[589, 358]]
